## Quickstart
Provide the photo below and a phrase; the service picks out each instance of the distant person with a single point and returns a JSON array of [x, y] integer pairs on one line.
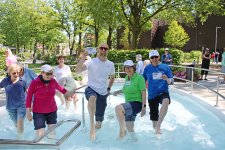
[[140, 64], [158, 76], [100, 69], [10, 58], [135, 99], [63, 73], [213, 57], [223, 65], [27, 74], [216, 57], [205, 64], [44, 109], [15, 89], [167, 57]]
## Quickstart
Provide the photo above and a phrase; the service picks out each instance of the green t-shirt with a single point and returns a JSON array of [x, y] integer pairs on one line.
[[132, 88]]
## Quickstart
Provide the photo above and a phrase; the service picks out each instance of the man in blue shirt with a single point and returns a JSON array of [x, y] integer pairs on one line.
[[159, 76], [27, 74]]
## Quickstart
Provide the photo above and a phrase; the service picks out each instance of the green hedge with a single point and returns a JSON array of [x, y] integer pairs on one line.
[[119, 56], [2, 60]]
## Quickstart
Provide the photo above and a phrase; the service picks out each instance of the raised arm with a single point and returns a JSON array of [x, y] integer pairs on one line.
[[80, 65]]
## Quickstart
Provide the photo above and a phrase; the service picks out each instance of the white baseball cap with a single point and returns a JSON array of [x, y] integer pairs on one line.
[[128, 63], [153, 53], [46, 68], [166, 49]]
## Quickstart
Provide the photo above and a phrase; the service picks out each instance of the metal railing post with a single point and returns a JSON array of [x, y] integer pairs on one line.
[[192, 78], [83, 117], [217, 90]]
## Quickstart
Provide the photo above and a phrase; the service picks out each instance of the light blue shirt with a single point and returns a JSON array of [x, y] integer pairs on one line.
[[140, 67], [156, 85], [29, 75]]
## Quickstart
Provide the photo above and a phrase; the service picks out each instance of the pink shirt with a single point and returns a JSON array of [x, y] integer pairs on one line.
[[44, 95], [11, 60]]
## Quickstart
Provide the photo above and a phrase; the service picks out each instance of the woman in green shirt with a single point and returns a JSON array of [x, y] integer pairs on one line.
[[134, 90]]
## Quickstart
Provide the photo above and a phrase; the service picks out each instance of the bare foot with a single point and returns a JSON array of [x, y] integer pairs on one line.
[[92, 134], [122, 133], [158, 130]]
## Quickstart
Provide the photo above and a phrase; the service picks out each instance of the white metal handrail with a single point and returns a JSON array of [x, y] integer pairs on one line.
[[35, 144]]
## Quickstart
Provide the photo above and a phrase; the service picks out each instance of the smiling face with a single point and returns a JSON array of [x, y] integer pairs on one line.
[[129, 70], [14, 71], [154, 60], [47, 75], [61, 60]]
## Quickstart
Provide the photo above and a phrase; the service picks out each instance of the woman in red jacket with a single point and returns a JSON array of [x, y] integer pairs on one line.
[[44, 105]]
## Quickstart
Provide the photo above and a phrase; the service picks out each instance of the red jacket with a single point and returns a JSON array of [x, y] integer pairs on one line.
[[44, 95]]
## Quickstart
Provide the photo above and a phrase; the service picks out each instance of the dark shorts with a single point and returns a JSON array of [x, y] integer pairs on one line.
[[16, 114], [101, 103], [41, 118], [131, 110], [154, 105]]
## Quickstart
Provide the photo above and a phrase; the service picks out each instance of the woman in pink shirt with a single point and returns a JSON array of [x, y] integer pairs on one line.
[[10, 58], [43, 89]]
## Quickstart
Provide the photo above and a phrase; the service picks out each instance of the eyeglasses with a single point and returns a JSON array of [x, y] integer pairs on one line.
[[48, 73], [14, 73], [103, 48], [154, 57]]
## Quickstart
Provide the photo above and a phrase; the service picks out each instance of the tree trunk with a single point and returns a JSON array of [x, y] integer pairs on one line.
[[135, 36], [79, 42], [35, 49], [96, 36], [43, 48], [17, 46], [109, 38]]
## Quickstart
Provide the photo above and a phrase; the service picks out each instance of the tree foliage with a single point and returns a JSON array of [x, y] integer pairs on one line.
[[176, 36]]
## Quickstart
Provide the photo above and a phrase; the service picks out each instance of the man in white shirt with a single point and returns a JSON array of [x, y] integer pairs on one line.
[[99, 71]]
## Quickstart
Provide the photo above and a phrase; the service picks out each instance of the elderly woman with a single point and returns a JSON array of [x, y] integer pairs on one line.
[[43, 88], [134, 90], [64, 77], [15, 89]]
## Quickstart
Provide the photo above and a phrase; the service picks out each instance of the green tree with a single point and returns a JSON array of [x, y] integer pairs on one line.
[[138, 13], [176, 36]]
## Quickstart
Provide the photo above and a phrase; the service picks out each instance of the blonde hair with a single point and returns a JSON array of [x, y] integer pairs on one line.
[[13, 67]]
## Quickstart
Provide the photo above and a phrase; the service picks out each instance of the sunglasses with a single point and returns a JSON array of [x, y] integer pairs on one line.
[[49, 73], [14, 73], [154, 57], [103, 48]]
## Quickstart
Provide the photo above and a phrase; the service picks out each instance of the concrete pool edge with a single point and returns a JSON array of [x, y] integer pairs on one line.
[[215, 110]]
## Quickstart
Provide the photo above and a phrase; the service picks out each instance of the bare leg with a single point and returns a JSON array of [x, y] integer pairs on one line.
[[130, 126], [20, 125], [68, 104], [75, 100], [52, 134], [61, 97], [92, 110], [154, 123], [121, 119], [40, 132], [162, 114]]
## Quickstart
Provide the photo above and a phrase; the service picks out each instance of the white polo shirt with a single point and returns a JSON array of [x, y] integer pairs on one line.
[[98, 74]]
